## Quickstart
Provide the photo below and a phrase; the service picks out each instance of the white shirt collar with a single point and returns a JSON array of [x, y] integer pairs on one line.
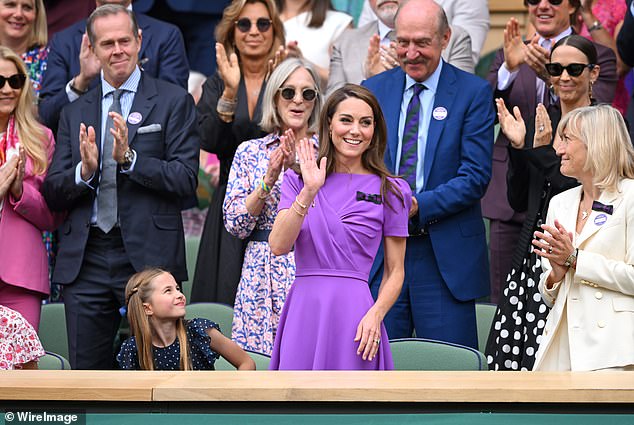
[[431, 82]]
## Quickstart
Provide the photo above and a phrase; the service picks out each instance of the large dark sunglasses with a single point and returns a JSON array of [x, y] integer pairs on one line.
[[288, 93], [536, 2], [574, 69], [244, 24], [16, 81]]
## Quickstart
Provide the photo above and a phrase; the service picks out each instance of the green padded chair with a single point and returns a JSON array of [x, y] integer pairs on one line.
[[222, 314], [429, 354], [261, 361], [52, 331], [53, 361], [484, 318], [191, 254]]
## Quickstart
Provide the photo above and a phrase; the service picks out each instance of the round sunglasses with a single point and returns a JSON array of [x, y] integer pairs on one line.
[[16, 81], [536, 2], [573, 69], [288, 93], [262, 24]]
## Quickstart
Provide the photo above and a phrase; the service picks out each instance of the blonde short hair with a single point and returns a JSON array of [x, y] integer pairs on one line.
[[610, 155]]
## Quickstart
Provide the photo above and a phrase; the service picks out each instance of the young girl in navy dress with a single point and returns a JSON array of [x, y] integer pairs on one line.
[[156, 312]]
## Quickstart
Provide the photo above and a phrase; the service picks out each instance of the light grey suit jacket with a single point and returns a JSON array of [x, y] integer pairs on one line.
[[351, 49]]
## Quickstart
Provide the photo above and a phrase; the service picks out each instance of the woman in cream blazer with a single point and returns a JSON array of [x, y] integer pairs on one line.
[[587, 248]]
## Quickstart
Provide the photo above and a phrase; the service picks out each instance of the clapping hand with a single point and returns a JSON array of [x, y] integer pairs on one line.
[[543, 127], [228, 69], [16, 186], [514, 47], [314, 176], [555, 244], [379, 58], [279, 57], [287, 143], [537, 57], [8, 173], [513, 127], [88, 151], [120, 135]]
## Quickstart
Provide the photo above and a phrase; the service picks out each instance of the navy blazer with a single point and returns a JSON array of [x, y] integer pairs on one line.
[[162, 55], [457, 171], [150, 198]]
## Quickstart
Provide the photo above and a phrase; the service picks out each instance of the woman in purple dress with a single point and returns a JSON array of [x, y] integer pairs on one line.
[[335, 214]]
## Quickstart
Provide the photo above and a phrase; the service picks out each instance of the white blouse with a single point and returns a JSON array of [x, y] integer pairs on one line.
[[315, 42]]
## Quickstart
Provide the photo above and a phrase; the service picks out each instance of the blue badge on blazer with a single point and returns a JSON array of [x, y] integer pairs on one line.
[[600, 219]]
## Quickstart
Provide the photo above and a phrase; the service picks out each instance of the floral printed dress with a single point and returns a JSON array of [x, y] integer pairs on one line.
[[265, 278], [19, 343]]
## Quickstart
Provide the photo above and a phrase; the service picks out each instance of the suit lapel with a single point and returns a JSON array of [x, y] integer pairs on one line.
[[598, 219], [444, 98], [143, 104]]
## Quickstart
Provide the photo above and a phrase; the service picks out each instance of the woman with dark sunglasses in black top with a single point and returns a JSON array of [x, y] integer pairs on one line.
[[533, 178], [249, 44]]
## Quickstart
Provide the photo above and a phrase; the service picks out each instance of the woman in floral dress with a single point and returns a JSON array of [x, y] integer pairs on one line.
[[290, 111]]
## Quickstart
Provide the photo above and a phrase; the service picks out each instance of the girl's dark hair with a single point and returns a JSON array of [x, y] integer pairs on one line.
[[580, 43], [373, 158], [317, 9]]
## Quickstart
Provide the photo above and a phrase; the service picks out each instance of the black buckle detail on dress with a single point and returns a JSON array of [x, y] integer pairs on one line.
[[375, 198]]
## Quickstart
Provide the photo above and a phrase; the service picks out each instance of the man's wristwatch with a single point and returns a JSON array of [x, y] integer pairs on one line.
[[128, 157], [571, 258]]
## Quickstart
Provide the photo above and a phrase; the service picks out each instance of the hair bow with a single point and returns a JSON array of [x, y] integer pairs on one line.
[[375, 198], [598, 206]]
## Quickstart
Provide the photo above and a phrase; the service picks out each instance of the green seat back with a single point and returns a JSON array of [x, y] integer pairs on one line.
[[52, 331], [484, 319], [191, 254], [53, 361], [222, 314], [429, 354]]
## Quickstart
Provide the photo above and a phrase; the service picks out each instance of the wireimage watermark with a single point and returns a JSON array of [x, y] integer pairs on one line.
[[15, 417]]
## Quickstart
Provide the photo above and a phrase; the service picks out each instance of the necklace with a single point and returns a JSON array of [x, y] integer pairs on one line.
[[585, 212]]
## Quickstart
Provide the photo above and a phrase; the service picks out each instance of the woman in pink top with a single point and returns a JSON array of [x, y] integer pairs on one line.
[[25, 152]]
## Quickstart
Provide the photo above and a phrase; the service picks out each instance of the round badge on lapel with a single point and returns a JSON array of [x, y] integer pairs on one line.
[[439, 113], [135, 118], [600, 219]]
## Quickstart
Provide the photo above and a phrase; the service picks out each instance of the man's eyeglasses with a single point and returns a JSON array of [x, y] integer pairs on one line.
[[288, 93], [16, 81], [536, 2], [262, 24], [574, 69]]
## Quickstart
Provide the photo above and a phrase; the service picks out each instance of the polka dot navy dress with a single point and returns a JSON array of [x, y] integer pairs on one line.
[[168, 358]]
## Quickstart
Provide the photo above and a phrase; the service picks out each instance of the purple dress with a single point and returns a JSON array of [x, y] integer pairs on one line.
[[334, 252]]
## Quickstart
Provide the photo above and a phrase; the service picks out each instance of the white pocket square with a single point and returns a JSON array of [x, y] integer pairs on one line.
[[152, 128]]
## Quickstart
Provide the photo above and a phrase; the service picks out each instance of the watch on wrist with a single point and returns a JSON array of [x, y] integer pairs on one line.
[[128, 157], [596, 25], [76, 90], [571, 258]]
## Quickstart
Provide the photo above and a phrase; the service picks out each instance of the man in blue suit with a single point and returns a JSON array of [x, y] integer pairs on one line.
[[446, 266], [73, 69], [124, 166]]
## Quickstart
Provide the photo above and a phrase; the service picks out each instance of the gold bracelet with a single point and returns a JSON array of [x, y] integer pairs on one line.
[[297, 211], [304, 206]]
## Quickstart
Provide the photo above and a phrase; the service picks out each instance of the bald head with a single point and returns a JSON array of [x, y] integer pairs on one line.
[[422, 33], [428, 8]]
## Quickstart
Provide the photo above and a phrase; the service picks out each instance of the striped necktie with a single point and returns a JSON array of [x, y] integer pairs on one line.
[[409, 144]]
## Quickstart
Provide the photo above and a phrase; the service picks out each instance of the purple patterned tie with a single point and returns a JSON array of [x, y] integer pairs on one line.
[[409, 144]]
